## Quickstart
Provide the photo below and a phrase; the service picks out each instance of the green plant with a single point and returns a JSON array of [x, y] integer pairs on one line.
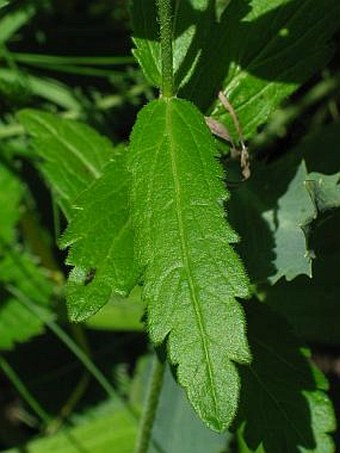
[[156, 241]]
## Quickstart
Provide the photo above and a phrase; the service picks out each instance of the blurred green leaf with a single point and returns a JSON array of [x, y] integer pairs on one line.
[[13, 21], [283, 402], [22, 270], [17, 323], [17, 268], [71, 154], [98, 431], [48, 89], [120, 314], [11, 193]]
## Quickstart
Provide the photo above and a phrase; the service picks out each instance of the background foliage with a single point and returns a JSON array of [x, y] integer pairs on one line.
[[78, 387]]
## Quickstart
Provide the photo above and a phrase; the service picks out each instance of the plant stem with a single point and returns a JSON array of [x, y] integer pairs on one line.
[[23, 391], [150, 409], [165, 19]]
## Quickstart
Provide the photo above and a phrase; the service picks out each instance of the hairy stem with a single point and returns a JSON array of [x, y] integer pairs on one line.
[[165, 19], [150, 409]]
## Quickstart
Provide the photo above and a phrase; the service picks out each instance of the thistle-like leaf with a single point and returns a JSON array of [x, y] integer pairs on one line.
[[191, 272]]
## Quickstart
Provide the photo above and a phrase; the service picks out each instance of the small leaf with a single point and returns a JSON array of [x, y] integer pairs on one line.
[[72, 154], [101, 242], [145, 27], [191, 273], [283, 404]]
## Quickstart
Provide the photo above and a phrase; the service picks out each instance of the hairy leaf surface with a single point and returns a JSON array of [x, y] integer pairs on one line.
[[283, 404], [71, 154], [101, 242], [191, 273]]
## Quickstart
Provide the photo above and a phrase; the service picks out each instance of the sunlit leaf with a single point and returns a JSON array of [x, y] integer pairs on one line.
[[191, 272]]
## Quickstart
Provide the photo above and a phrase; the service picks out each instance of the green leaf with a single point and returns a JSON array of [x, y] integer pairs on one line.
[[283, 404], [43, 87], [101, 240], [145, 27], [72, 154], [17, 324], [13, 21], [21, 270], [189, 18], [11, 192], [275, 47], [97, 431], [191, 273], [17, 268]]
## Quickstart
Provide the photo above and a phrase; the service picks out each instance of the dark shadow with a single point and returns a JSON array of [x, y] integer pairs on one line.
[[273, 407]]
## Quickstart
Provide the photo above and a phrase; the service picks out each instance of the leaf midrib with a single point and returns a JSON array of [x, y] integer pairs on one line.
[[184, 252]]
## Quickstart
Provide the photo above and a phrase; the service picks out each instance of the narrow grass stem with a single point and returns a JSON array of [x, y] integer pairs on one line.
[[154, 390], [66, 339], [23, 391]]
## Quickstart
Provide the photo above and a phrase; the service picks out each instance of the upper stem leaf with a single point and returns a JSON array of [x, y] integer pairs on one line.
[[191, 273]]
